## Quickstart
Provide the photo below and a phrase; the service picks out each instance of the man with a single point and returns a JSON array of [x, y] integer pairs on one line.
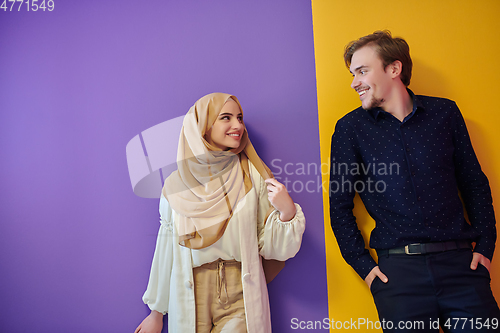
[[410, 159]]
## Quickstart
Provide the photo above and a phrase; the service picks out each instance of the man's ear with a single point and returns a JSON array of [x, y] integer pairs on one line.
[[395, 68]]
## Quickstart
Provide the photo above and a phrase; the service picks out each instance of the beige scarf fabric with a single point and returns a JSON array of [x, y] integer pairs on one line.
[[209, 182]]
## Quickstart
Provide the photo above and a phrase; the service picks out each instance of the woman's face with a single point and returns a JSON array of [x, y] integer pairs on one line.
[[227, 130]]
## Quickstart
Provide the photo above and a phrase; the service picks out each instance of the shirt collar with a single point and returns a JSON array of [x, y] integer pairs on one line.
[[417, 104]]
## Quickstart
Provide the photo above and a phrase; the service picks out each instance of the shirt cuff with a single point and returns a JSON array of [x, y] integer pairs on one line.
[[363, 265], [485, 246]]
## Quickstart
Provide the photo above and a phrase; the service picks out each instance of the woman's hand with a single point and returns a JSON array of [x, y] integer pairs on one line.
[[151, 324], [280, 199]]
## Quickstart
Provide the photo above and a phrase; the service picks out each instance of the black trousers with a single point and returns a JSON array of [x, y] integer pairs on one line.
[[432, 290]]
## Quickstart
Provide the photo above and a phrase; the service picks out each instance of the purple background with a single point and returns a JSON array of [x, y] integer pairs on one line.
[[76, 85]]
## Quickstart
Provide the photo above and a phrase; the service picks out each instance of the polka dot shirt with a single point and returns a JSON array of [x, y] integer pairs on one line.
[[409, 176]]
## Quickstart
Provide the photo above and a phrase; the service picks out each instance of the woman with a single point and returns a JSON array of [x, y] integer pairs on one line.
[[220, 212]]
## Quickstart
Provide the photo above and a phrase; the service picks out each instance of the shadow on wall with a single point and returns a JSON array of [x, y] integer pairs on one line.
[[426, 80]]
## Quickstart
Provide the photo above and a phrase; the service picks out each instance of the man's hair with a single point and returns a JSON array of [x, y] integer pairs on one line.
[[388, 48]]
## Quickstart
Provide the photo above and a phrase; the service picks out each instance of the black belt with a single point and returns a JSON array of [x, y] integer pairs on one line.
[[423, 248]]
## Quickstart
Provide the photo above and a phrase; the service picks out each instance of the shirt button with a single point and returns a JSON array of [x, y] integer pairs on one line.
[[407, 149], [188, 284], [413, 173], [246, 276], [419, 198]]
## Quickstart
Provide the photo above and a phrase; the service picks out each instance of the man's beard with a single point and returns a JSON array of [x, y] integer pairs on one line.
[[374, 103]]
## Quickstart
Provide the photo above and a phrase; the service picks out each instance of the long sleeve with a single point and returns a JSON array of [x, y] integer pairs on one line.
[[343, 221], [277, 239], [474, 188], [157, 294]]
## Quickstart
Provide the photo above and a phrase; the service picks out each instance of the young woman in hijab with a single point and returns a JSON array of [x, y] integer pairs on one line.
[[221, 213]]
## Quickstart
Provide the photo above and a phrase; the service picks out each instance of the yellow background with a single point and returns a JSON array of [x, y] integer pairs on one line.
[[455, 50]]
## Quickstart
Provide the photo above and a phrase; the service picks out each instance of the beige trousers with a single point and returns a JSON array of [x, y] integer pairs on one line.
[[218, 295]]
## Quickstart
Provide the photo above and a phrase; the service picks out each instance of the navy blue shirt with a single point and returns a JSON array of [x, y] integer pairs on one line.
[[409, 175]]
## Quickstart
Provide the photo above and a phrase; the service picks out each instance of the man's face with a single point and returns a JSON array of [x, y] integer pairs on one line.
[[370, 81]]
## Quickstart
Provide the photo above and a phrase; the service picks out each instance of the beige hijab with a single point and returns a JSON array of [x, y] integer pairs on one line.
[[209, 182]]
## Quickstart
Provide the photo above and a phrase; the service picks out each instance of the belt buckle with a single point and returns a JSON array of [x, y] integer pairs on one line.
[[407, 249]]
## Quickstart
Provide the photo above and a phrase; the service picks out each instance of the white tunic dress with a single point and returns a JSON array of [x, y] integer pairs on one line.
[[170, 286]]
